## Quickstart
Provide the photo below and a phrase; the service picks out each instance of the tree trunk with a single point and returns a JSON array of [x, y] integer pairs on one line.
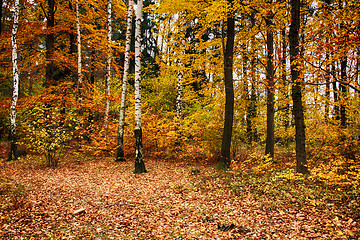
[[108, 69], [179, 93], [1, 12], [224, 162], [301, 163], [343, 66], [139, 158], [50, 44], [15, 94], [285, 94], [270, 124], [80, 87], [120, 137]]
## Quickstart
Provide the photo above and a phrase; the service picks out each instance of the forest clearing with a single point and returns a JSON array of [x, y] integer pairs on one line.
[[172, 201]]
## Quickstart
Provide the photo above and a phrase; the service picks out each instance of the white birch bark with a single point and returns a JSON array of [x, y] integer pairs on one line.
[[120, 138], [139, 161], [108, 69], [80, 88], [179, 93], [15, 94]]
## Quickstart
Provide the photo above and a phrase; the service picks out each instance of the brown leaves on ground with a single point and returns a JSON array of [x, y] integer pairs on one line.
[[168, 202]]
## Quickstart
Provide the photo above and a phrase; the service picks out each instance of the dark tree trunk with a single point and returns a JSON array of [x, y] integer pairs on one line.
[[343, 89], [1, 6], [301, 163], [343, 66], [270, 124], [50, 44], [224, 162]]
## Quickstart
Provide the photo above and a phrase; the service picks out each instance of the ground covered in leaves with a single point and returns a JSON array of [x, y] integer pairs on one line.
[[100, 199]]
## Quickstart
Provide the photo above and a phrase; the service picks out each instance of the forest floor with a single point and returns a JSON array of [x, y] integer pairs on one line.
[[170, 201]]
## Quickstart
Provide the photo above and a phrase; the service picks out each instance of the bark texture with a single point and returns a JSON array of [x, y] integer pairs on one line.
[[108, 69], [139, 158], [120, 137], [15, 94], [50, 44], [179, 93], [301, 162], [80, 87], [270, 112], [224, 161]]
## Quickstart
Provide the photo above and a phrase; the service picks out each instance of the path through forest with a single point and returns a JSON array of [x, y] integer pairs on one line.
[[171, 201]]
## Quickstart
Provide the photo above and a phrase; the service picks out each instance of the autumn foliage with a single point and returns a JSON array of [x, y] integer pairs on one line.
[[68, 161]]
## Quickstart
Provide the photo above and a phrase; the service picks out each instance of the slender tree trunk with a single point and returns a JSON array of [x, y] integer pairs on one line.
[[80, 87], [343, 89], [179, 93], [335, 94], [327, 91], [92, 67], [285, 94], [108, 69], [301, 163], [225, 161], [120, 137], [1, 12], [270, 123], [139, 158], [343, 66], [15, 94], [50, 44]]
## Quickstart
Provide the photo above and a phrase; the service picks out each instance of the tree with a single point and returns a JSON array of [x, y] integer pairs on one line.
[[139, 158], [120, 136], [224, 161], [270, 123], [80, 88], [15, 94], [108, 69], [50, 43], [301, 163]]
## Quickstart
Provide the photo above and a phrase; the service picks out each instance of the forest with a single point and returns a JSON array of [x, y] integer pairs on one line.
[[187, 119]]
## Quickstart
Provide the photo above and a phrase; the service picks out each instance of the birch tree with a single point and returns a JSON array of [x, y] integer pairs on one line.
[[108, 69], [120, 137], [15, 94], [80, 88], [179, 93], [139, 159]]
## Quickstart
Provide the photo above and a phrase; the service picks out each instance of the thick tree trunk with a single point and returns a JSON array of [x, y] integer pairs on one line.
[[15, 94], [139, 158], [225, 161], [301, 163], [270, 124], [108, 69], [120, 137], [50, 44]]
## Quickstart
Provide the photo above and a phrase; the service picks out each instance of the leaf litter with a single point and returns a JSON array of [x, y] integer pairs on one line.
[[101, 199]]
